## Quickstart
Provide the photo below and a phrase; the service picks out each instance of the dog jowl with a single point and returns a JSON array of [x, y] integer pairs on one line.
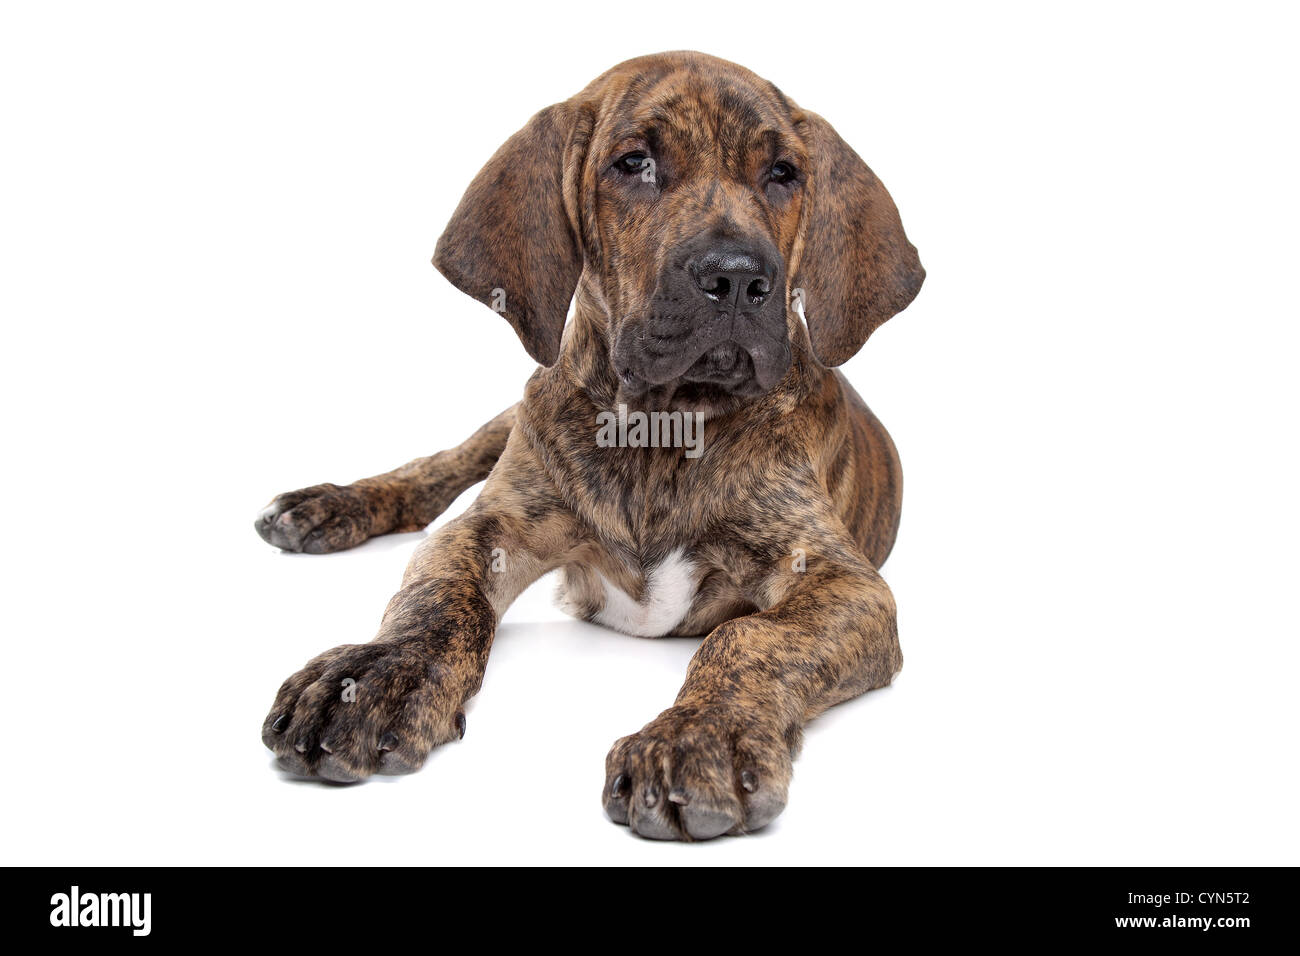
[[681, 204]]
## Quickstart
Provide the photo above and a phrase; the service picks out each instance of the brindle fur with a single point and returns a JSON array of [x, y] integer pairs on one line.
[[802, 469]]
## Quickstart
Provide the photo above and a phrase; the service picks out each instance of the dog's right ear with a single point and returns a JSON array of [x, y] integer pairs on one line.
[[512, 242]]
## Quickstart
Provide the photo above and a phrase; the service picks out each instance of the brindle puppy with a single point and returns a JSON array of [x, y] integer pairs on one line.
[[690, 212]]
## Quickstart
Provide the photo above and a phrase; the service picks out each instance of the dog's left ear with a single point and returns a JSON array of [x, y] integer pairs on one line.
[[857, 268], [511, 243]]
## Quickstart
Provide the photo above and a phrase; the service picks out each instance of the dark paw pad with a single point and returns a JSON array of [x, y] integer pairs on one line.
[[359, 710], [318, 520], [695, 774]]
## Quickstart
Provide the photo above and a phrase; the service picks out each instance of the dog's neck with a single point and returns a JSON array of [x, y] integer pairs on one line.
[[585, 352]]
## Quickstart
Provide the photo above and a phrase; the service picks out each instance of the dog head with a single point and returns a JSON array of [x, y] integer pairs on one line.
[[695, 205]]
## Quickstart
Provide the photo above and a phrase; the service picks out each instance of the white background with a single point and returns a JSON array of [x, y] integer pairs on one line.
[[214, 242]]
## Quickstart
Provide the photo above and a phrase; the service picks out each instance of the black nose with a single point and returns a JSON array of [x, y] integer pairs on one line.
[[731, 274]]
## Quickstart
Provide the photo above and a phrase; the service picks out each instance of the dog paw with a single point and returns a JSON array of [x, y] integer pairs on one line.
[[318, 520], [362, 709], [697, 773]]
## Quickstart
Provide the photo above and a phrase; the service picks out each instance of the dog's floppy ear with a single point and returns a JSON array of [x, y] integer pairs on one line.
[[511, 243], [856, 268]]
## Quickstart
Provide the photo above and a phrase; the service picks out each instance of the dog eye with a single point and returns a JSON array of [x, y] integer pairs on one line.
[[632, 163], [782, 173]]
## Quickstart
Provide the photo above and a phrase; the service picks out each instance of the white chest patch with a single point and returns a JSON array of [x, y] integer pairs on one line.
[[670, 590]]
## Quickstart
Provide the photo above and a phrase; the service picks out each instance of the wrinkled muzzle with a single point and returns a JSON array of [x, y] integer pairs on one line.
[[717, 318]]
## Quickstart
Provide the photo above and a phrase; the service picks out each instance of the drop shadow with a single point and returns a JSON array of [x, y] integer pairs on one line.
[[378, 545]]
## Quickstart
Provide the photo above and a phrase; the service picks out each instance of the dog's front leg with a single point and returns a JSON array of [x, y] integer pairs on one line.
[[329, 517], [382, 707], [719, 760]]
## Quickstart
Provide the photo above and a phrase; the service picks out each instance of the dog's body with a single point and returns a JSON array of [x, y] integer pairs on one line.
[[767, 542]]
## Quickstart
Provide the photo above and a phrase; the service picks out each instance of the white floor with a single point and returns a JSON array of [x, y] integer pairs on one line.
[[1025, 728]]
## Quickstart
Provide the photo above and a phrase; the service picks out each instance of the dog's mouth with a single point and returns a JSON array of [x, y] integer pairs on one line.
[[727, 366], [723, 376], [676, 360]]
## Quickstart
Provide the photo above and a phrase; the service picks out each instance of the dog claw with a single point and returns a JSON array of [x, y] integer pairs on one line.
[[616, 806], [460, 726], [281, 722], [388, 741], [748, 781], [678, 796]]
